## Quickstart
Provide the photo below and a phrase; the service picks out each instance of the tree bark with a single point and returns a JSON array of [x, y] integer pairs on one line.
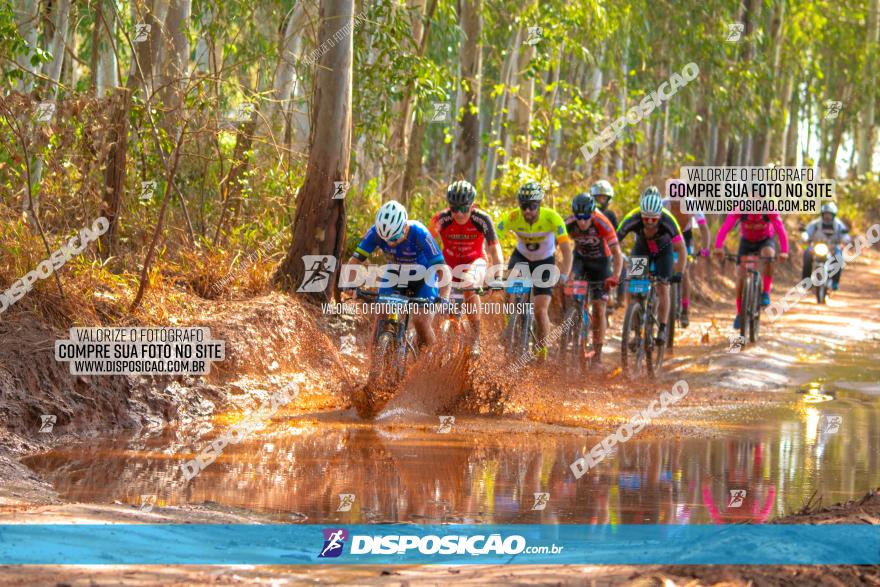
[[495, 131], [60, 21], [27, 17], [866, 143], [467, 149], [319, 223], [289, 50]]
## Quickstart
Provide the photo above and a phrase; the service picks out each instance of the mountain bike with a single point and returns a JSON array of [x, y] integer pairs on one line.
[[575, 344], [638, 350], [518, 333], [456, 335], [393, 347], [750, 320]]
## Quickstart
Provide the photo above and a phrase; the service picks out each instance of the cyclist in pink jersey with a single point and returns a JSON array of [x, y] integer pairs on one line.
[[756, 237]]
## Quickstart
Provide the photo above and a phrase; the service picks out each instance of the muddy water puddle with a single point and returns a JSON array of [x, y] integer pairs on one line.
[[746, 467]]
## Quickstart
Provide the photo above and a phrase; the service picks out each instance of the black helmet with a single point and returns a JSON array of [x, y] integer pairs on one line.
[[583, 203], [530, 192], [461, 193]]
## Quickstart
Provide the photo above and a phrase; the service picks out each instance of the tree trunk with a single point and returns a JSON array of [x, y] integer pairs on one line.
[[403, 109], [495, 131], [27, 18], [176, 65], [467, 149], [114, 175], [414, 158], [289, 50], [791, 137], [60, 20], [319, 224], [522, 106], [866, 144], [107, 74]]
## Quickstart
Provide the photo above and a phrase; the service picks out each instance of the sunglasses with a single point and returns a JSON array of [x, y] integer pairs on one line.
[[395, 238], [529, 206], [650, 219], [583, 216], [461, 209]]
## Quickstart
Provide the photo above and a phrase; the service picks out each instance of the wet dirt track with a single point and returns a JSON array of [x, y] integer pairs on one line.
[[795, 416]]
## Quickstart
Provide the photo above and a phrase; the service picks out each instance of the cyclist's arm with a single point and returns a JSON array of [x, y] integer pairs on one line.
[[365, 248], [679, 247], [490, 237], [627, 225], [779, 228], [616, 259], [726, 227], [567, 256], [705, 235]]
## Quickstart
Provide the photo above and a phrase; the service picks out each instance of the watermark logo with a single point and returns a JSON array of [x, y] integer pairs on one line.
[[47, 423], [535, 35], [735, 31], [630, 428], [830, 424], [832, 109], [334, 540], [348, 345], [319, 268], [638, 266], [148, 188], [441, 112], [340, 188], [823, 272], [147, 503], [44, 112], [735, 343], [736, 498], [346, 500], [141, 32], [654, 100], [541, 501], [446, 423], [56, 260]]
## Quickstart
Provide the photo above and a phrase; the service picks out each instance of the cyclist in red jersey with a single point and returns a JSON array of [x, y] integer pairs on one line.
[[757, 232], [465, 234]]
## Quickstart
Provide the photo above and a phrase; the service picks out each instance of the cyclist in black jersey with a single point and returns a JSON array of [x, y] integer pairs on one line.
[[657, 236]]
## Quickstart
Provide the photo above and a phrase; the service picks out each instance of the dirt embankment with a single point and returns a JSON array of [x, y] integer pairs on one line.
[[270, 341]]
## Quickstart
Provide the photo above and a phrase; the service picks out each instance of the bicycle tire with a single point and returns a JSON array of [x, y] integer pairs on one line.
[[674, 313], [755, 323], [653, 352], [745, 309], [632, 332]]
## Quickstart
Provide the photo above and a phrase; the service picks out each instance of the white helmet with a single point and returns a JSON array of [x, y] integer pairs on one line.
[[391, 220]]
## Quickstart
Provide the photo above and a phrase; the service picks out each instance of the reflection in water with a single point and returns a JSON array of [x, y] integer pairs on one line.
[[296, 471]]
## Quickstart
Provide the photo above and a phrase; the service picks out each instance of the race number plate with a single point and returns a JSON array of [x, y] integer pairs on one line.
[[639, 286]]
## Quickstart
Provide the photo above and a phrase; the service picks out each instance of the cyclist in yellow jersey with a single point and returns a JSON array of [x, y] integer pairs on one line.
[[538, 231]]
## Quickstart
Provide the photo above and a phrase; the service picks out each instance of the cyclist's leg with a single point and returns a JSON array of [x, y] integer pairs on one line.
[[423, 322], [541, 299], [745, 248], [663, 266], [474, 276], [768, 251], [686, 279], [598, 271]]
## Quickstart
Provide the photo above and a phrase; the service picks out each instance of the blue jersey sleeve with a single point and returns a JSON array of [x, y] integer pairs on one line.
[[367, 245]]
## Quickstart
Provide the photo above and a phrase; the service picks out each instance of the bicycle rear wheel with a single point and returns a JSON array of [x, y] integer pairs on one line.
[[632, 351], [674, 313], [755, 322], [745, 308], [653, 352]]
